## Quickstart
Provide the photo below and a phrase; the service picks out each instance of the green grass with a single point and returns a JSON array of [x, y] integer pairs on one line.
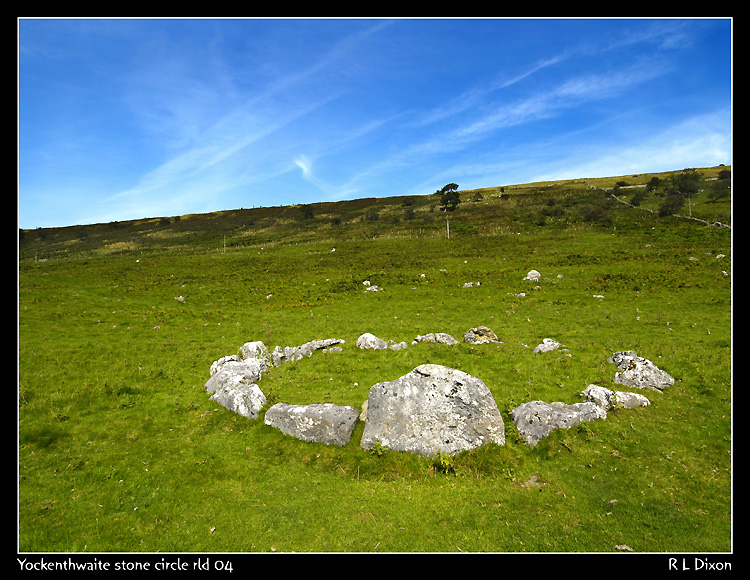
[[120, 448]]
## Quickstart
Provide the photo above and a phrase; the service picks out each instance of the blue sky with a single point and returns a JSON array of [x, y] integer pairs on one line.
[[126, 118]]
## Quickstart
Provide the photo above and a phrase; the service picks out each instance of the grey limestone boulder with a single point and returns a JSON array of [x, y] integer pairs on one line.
[[240, 397], [533, 275], [368, 341], [439, 337], [480, 335], [537, 419], [281, 355], [289, 354], [547, 345], [255, 349], [318, 422], [217, 365], [232, 371], [636, 371], [232, 380], [432, 409], [607, 399]]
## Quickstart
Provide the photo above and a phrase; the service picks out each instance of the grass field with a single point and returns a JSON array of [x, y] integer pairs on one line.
[[120, 449]]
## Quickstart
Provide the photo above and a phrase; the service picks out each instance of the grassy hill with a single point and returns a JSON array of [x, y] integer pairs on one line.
[[487, 211], [121, 450]]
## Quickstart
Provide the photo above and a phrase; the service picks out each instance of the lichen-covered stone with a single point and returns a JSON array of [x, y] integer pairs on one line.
[[636, 371], [281, 355], [231, 370], [318, 422], [547, 345], [439, 337], [480, 335], [537, 419], [240, 397], [608, 399], [369, 341], [255, 349], [432, 409]]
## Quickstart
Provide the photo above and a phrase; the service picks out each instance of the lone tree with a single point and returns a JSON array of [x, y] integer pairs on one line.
[[678, 189], [449, 197], [687, 183], [672, 204], [653, 184]]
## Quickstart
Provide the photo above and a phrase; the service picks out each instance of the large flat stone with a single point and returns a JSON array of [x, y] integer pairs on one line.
[[537, 419], [318, 422]]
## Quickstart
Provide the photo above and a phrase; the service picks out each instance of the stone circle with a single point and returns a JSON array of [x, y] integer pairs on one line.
[[431, 410]]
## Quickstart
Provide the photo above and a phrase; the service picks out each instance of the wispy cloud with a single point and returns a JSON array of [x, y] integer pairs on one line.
[[569, 94], [479, 95], [665, 35], [697, 141], [491, 116], [592, 86], [305, 165], [205, 164]]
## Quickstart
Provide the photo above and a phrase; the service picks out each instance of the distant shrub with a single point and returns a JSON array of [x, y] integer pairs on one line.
[[721, 188], [342, 285], [596, 214], [638, 197], [671, 204], [463, 228], [580, 259], [653, 184]]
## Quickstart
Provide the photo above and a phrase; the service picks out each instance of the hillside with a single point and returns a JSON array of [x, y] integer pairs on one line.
[[121, 449], [486, 211]]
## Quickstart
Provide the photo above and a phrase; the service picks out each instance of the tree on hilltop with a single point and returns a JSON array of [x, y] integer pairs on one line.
[[449, 197]]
